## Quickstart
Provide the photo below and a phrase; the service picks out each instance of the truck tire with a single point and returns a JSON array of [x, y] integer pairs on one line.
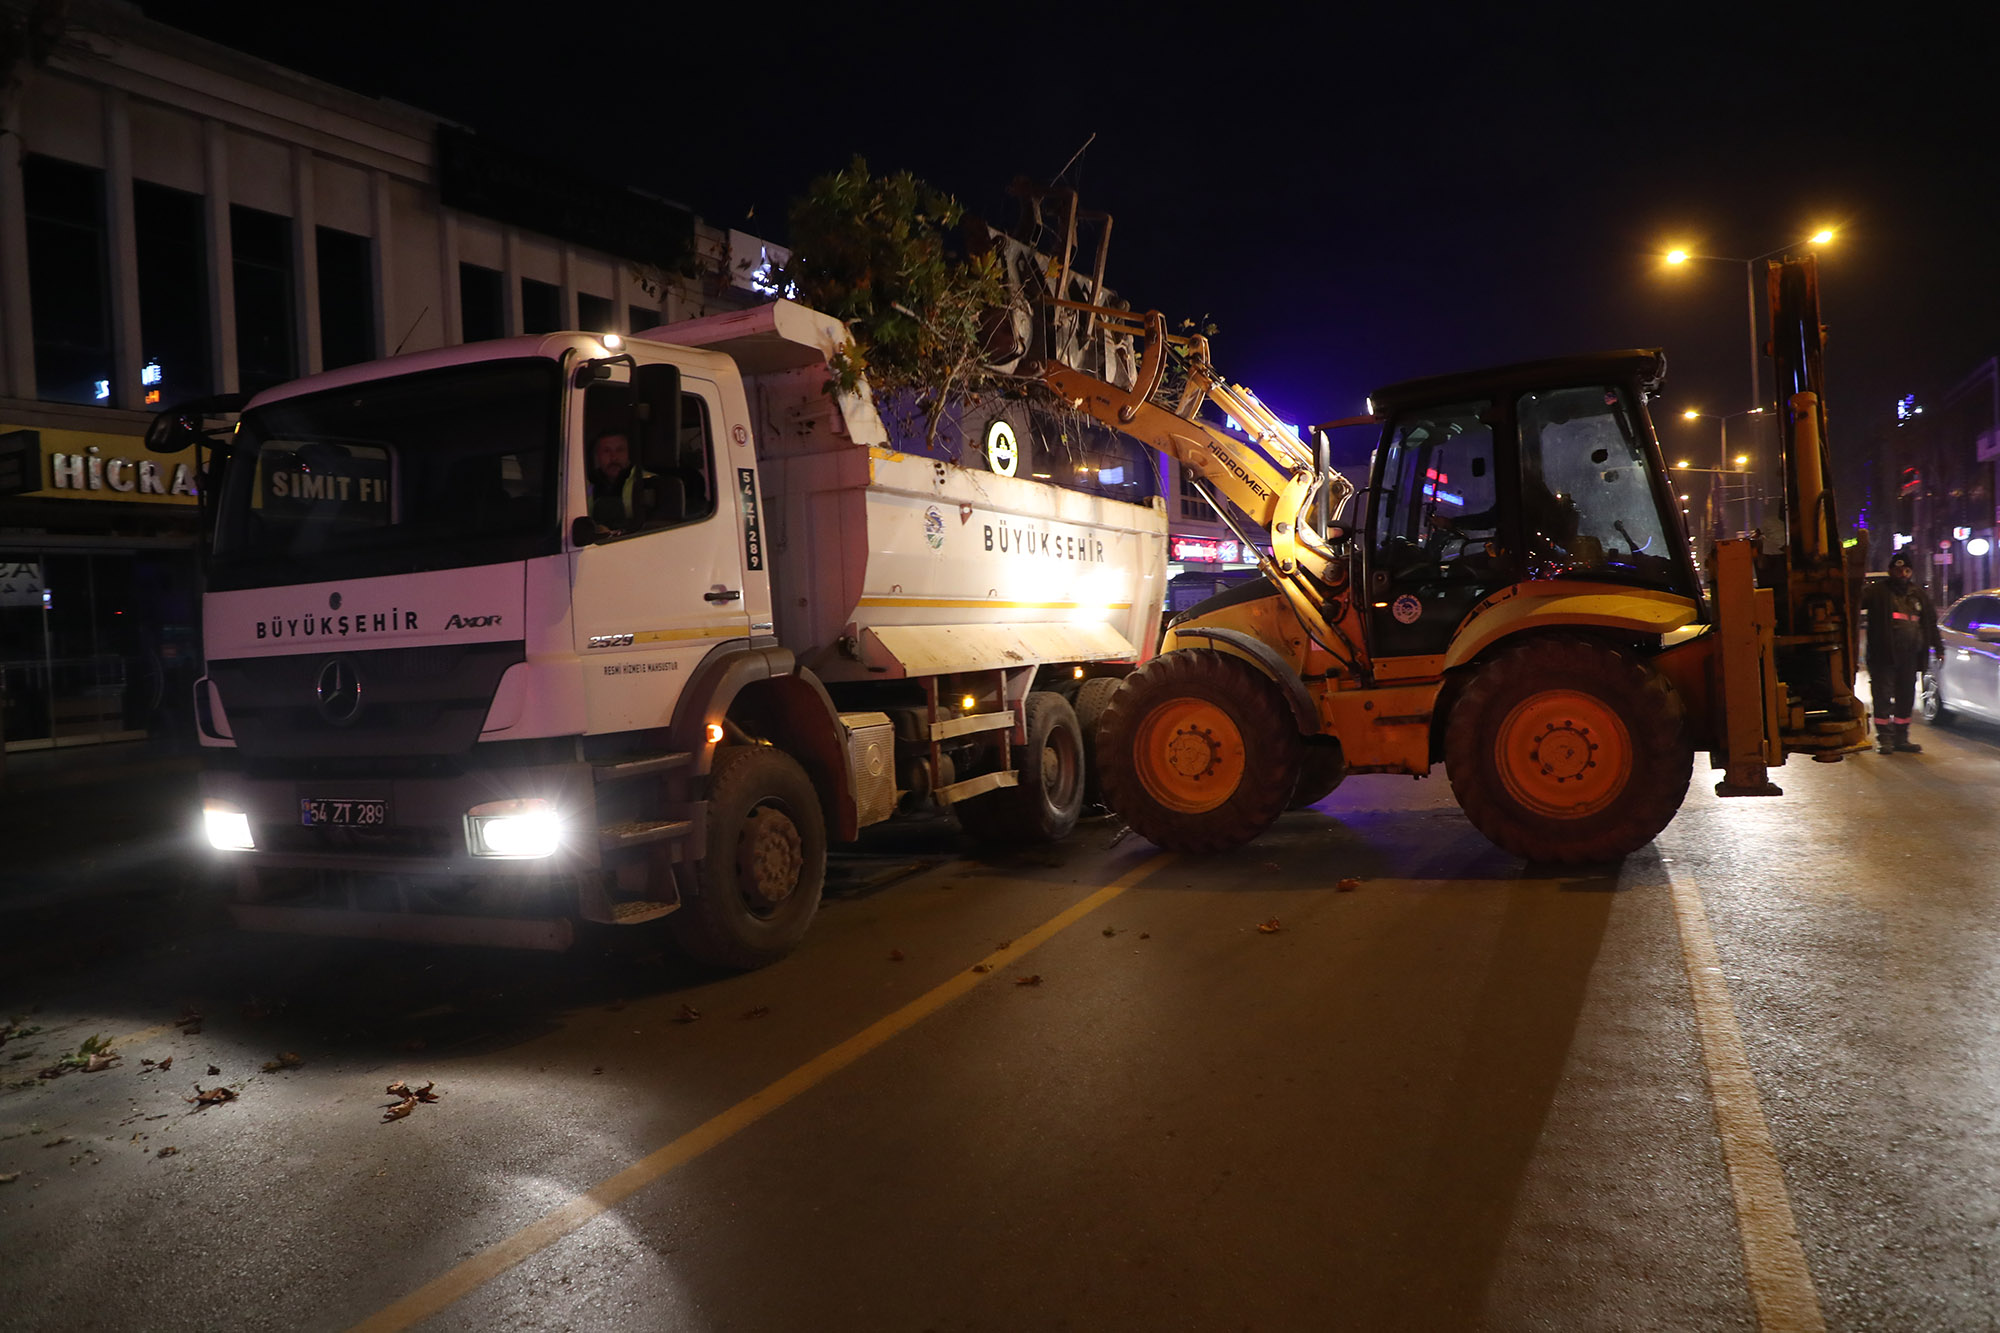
[[1198, 752], [751, 898], [1322, 767], [1046, 804], [1565, 749], [1092, 697]]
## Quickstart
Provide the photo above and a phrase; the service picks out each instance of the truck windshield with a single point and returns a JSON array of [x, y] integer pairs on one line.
[[437, 470]]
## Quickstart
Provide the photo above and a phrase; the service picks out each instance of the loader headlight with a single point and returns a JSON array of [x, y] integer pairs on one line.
[[228, 828], [521, 829]]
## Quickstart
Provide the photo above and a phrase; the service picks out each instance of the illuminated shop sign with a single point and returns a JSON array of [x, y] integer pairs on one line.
[[1203, 551], [88, 465]]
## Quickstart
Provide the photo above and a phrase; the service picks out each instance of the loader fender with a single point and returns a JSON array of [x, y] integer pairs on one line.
[[1265, 659], [1543, 605]]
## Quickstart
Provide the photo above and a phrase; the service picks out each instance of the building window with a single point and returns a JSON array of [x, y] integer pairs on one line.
[[641, 318], [260, 245], [69, 292], [596, 314], [346, 299], [482, 302], [541, 306], [171, 236]]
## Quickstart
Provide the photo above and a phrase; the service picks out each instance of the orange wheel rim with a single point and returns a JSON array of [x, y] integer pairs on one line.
[[1189, 756], [1564, 754]]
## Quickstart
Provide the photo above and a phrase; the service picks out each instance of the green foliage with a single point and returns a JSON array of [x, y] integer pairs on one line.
[[878, 252]]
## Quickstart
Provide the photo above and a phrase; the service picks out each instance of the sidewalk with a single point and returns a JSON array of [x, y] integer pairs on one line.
[[96, 820]]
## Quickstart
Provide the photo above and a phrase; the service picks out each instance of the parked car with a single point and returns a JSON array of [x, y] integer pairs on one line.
[[1967, 678]]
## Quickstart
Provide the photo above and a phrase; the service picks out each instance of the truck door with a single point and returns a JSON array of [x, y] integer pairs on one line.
[[662, 583], [1433, 529]]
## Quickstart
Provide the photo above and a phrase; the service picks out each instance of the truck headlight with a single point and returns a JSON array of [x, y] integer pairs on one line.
[[522, 829], [228, 828]]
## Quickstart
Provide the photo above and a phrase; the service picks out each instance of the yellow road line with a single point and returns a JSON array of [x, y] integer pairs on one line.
[[497, 1258], [1774, 1264]]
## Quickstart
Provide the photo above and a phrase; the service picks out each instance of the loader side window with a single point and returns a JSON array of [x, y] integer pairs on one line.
[[1435, 550], [1589, 502]]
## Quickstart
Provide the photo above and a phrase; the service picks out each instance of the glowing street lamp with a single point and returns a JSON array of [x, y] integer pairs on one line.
[[1677, 256]]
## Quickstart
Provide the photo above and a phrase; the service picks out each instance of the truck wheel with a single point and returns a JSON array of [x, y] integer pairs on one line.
[[1563, 749], [1045, 806], [1091, 699], [1322, 767], [751, 898], [1198, 752]]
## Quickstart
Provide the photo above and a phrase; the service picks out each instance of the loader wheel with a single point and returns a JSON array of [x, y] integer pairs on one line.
[[1046, 804], [1564, 749], [1322, 767], [1092, 697], [749, 901], [1198, 752]]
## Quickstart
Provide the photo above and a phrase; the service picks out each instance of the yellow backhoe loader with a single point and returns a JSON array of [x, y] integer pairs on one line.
[[1514, 594]]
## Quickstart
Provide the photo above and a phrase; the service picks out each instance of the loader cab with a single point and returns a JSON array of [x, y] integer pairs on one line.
[[1541, 472]]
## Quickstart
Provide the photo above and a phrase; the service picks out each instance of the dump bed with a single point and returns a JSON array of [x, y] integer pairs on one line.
[[888, 562]]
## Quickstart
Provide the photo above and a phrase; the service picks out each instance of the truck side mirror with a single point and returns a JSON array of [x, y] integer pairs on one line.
[[583, 531]]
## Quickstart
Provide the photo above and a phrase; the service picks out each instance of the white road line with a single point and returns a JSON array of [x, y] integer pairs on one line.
[[1774, 1264]]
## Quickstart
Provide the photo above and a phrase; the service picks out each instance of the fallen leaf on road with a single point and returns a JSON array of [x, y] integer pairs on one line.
[[167, 1151], [688, 1014], [57, 1142], [215, 1096], [895, 955], [1109, 931], [166, 1064], [398, 1089], [758, 1012], [982, 967], [1003, 944], [213, 1071], [424, 1094], [399, 1110], [10, 1177], [1347, 886], [148, 1062], [1271, 927], [1144, 936], [102, 1060], [1034, 980], [285, 1060]]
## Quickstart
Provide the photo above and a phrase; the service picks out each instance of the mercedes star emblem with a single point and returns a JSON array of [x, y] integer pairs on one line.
[[339, 692]]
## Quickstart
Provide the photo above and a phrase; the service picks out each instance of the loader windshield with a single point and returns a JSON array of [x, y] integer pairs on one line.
[[1591, 503], [437, 470]]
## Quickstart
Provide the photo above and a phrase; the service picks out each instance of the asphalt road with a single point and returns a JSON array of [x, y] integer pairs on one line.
[[1748, 1078]]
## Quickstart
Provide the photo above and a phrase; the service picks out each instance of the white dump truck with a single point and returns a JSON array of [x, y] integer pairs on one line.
[[569, 626]]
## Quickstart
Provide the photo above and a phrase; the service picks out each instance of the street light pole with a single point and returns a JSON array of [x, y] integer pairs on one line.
[[1750, 304]]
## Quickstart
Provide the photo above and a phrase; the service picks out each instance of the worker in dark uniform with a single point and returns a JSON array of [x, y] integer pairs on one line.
[[1902, 634]]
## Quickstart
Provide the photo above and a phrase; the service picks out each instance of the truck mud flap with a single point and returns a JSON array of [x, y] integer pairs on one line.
[[551, 934]]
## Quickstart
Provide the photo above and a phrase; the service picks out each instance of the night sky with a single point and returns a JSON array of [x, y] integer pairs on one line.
[[1352, 198]]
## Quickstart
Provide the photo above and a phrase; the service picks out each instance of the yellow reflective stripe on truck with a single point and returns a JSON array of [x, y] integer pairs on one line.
[[988, 604], [676, 635]]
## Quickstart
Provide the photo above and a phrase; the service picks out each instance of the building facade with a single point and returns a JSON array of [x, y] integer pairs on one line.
[[178, 219]]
